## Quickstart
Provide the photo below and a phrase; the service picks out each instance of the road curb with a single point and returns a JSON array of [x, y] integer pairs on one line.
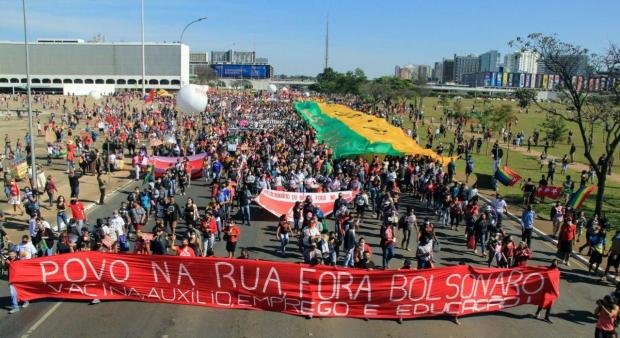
[[583, 260]]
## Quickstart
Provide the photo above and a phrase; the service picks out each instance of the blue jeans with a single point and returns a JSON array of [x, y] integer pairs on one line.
[[245, 213], [61, 217], [348, 260], [13, 292], [283, 242], [482, 239], [296, 223], [207, 244], [219, 228], [388, 253]]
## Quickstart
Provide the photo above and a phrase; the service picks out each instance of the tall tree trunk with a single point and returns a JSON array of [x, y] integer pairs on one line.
[[600, 192]]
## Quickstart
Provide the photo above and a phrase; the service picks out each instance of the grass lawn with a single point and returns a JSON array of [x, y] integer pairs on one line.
[[528, 166]]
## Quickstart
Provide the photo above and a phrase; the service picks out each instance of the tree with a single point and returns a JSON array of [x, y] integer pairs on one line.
[[241, 84], [443, 100], [568, 61], [504, 116], [421, 91], [332, 82], [555, 129], [525, 97], [204, 74]]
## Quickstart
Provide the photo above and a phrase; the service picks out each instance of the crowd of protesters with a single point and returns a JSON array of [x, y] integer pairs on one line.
[[252, 144]]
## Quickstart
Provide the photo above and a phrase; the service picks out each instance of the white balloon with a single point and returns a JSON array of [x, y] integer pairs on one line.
[[192, 99], [95, 94], [306, 94], [284, 90], [273, 88]]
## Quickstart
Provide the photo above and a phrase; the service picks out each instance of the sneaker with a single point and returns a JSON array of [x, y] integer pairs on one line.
[[399, 320], [548, 320], [26, 304], [95, 302], [14, 310]]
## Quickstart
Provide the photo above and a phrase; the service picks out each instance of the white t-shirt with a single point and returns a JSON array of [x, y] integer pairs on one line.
[[26, 251], [499, 205]]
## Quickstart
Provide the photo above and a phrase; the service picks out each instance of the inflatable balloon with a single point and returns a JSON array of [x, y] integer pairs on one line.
[[273, 88], [95, 95], [284, 90], [192, 99], [306, 94]]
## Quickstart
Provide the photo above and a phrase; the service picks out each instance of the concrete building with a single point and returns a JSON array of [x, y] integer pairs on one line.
[[437, 74], [468, 64], [197, 61], [56, 63], [424, 73], [521, 62], [448, 71], [235, 57], [489, 61]]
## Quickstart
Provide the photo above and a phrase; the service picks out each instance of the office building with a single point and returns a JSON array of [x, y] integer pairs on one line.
[[468, 64], [437, 74], [489, 61], [424, 73], [448, 71]]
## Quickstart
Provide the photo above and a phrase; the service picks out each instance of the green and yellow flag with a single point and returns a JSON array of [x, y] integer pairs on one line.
[[349, 132]]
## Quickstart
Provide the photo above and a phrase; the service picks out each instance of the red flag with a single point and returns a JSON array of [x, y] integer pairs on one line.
[[150, 97], [549, 191]]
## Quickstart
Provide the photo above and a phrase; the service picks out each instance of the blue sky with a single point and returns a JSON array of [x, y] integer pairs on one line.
[[372, 35]]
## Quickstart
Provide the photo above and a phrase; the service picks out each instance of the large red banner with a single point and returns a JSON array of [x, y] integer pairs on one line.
[[195, 164], [296, 289]]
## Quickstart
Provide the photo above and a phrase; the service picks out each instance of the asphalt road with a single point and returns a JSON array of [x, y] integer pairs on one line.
[[572, 313]]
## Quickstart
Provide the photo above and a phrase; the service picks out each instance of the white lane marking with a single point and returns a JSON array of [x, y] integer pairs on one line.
[[42, 319]]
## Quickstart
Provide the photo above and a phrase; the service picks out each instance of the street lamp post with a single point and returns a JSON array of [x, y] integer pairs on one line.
[[142, 33], [181, 46], [33, 166]]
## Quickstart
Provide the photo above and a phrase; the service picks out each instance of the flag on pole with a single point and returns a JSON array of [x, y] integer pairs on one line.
[[507, 176], [578, 197]]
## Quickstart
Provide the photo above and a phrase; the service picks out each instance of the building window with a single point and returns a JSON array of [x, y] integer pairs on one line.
[[78, 81], [47, 81], [14, 80], [89, 81], [153, 82], [121, 82], [4, 80], [24, 80], [67, 81], [175, 82], [36, 80], [109, 81], [99, 81], [131, 82], [56, 81], [164, 82]]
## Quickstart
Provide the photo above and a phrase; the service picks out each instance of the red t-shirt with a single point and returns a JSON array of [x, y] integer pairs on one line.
[[77, 211], [185, 252], [567, 233]]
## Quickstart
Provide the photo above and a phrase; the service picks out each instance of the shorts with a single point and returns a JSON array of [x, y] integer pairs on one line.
[[566, 246], [596, 257], [14, 200], [231, 246]]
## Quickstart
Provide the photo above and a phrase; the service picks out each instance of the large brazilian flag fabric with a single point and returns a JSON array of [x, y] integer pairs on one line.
[[350, 133]]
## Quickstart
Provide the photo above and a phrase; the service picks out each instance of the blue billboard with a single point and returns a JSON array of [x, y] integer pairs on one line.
[[242, 71]]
